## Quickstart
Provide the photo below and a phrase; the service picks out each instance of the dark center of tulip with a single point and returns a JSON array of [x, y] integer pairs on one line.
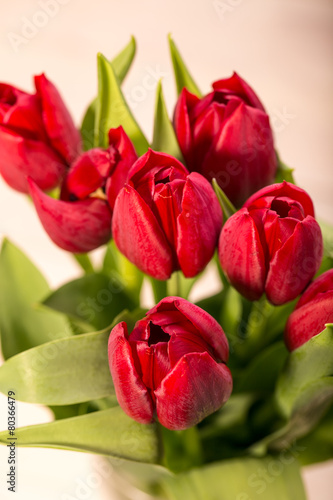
[[157, 335], [165, 180], [281, 207]]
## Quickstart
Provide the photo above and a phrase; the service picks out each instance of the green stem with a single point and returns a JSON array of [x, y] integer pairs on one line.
[[84, 262], [173, 285]]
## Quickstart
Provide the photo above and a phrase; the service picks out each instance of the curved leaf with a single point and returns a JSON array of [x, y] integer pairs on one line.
[[95, 299], [65, 371], [121, 64], [23, 323], [112, 109], [107, 432], [164, 138], [182, 74], [240, 479]]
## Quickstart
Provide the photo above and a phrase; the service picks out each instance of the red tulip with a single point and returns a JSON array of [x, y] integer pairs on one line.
[[81, 220], [166, 219], [171, 366], [38, 138], [227, 135], [272, 245], [314, 309]]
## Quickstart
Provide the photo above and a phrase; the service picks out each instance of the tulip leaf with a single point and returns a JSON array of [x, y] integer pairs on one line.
[[284, 173], [240, 479], [108, 432], [306, 367], [23, 323], [115, 263], [228, 208], [182, 75], [164, 138], [95, 299], [65, 371], [112, 109], [263, 370], [318, 445], [121, 64], [327, 232]]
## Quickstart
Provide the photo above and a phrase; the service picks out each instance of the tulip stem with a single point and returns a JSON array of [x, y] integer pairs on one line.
[[84, 262]]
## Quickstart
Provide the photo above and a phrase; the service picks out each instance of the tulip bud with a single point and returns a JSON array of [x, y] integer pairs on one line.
[[171, 366], [166, 219], [38, 138], [226, 135], [272, 245], [81, 220], [313, 310]]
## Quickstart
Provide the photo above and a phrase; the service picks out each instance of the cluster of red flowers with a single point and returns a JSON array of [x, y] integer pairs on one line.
[[165, 216]]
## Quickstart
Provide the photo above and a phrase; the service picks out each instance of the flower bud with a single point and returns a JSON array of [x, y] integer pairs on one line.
[[171, 366], [272, 245]]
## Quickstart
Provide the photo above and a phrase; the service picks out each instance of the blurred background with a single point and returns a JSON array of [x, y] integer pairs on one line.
[[283, 48]]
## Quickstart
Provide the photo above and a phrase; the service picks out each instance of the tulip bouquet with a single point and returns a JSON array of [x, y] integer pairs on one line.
[[219, 399]]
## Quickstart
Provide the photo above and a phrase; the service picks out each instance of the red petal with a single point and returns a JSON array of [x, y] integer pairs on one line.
[[199, 225], [131, 393], [126, 158], [207, 326], [284, 189], [138, 235], [154, 362], [21, 158], [64, 136], [242, 256], [182, 124], [25, 118], [295, 264], [236, 85], [194, 389], [207, 125], [309, 320], [79, 226], [88, 173], [184, 343], [242, 156], [323, 283]]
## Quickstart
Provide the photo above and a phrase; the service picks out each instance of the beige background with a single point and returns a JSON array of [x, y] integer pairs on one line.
[[283, 48]]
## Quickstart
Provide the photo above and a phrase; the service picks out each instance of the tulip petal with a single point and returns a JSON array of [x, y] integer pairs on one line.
[[199, 225], [295, 263], [64, 136], [237, 86], [21, 158], [138, 235], [194, 389], [181, 123], [323, 283], [131, 393], [284, 189], [309, 320], [207, 326], [242, 256], [242, 156], [79, 226], [126, 158], [25, 118]]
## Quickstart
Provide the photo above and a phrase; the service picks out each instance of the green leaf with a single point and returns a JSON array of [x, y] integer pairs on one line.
[[121, 64], [262, 372], [306, 366], [181, 449], [318, 445], [23, 323], [284, 173], [65, 371], [228, 208], [112, 109], [164, 138], [115, 263], [239, 479], [95, 299], [108, 432], [327, 232], [182, 74]]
